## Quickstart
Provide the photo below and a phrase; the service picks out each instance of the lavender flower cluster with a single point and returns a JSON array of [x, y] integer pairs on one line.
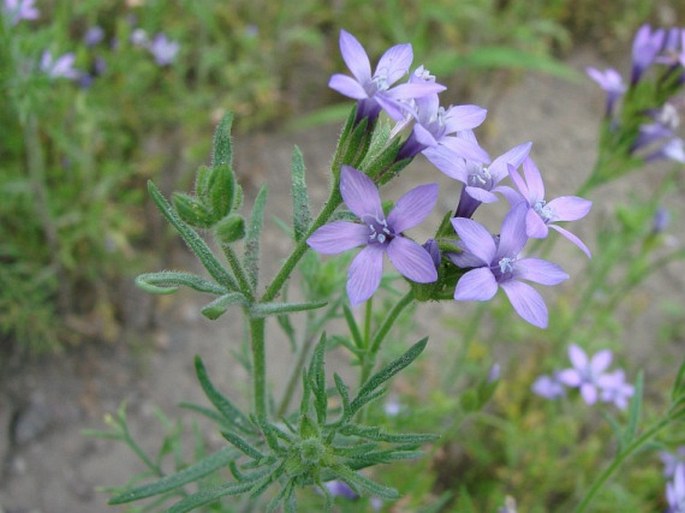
[[674, 471], [163, 50], [484, 261], [590, 376], [664, 51]]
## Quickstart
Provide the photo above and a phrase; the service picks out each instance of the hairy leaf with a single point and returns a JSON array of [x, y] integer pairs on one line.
[[167, 282], [252, 236], [222, 152], [196, 471], [265, 309], [302, 218], [218, 307]]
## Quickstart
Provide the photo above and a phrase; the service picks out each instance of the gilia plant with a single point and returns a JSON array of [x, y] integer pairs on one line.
[[271, 452]]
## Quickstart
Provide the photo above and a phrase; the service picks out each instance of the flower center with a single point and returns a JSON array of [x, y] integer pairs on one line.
[[379, 232], [544, 211], [380, 80], [506, 265], [479, 176]]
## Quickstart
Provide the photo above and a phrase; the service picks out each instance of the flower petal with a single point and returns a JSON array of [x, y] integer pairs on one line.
[[569, 208], [578, 358], [536, 228], [539, 271], [347, 86], [515, 156], [355, 57], [513, 233], [477, 240], [337, 237], [527, 302], [360, 193], [570, 377], [574, 239], [395, 62], [476, 285], [448, 162], [411, 260], [413, 207], [536, 187], [600, 361], [481, 194], [365, 274], [589, 393], [465, 148], [464, 117]]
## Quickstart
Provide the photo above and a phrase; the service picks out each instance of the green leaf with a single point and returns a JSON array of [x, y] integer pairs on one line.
[[318, 380], [354, 328], [232, 414], [377, 434], [221, 190], [188, 475], [302, 217], [192, 211], [679, 384], [361, 482], [242, 445], [196, 244], [167, 282], [209, 495], [388, 372], [344, 392], [260, 310], [218, 307], [222, 152], [203, 177], [253, 233]]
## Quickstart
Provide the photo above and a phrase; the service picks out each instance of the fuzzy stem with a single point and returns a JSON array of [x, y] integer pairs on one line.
[[238, 271], [334, 199], [257, 329], [388, 322]]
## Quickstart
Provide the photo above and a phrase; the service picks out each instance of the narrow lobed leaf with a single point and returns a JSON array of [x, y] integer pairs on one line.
[[196, 244], [302, 218], [222, 152], [252, 236], [361, 482], [232, 414], [218, 307], [188, 475], [168, 282], [209, 495], [242, 445], [260, 310]]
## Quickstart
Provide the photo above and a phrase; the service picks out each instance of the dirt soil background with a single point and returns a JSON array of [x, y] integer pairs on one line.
[[48, 466]]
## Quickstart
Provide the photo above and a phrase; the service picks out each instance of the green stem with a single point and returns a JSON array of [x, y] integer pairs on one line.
[[624, 455], [288, 266], [388, 322], [257, 329], [238, 271]]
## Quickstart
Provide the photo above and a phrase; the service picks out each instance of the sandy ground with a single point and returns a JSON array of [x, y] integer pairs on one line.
[[50, 467]]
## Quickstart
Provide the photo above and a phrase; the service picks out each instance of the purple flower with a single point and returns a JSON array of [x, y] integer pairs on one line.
[[163, 49], [94, 36], [139, 37], [610, 81], [675, 490], [646, 46], [379, 235], [18, 10], [672, 460], [62, 67], [586, 373], [549, 387], [499, 265], [480, 179], [541, 214], [339, 488], [615, 389], [374, 92], [673, 149], [436, 128]]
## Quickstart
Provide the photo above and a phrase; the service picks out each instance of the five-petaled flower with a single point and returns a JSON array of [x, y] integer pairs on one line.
[[498, 264], [379, 234], [587, 374], [374, 92], [541, 214]]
